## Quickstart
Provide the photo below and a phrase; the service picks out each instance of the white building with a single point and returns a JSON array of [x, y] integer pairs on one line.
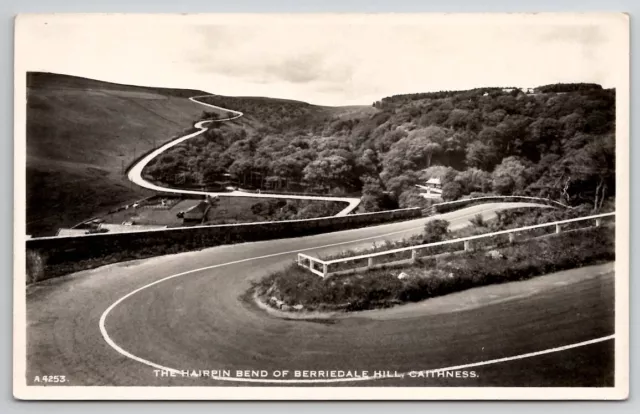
[[433, 186], [434, 183]]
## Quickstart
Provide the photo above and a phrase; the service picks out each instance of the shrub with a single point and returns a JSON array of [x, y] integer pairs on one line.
[[478, 221], [35, 266], [435, 231]]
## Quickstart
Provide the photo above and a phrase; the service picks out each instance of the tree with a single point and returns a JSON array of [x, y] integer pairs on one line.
[[591, 170], [368, 163], [458, 118], [396, 185], [545, 136], [474, 180], [435, 117], [452, 191], [429, 149], [327, 172], [481, 155], [511, 176], [212, 171], [512, 133], [373, 196], [288, 168], [459, 141], [435, 231], [242, 169], [416, 150], [597, 122], [384, 139], [431, 133], [572, 124], [411, 197], [495, 117], [396, 161], [584, 174]]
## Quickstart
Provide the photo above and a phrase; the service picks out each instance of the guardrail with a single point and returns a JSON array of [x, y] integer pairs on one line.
[[321, 267]]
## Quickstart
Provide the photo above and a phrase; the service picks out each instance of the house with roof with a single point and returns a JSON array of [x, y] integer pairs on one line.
[[433, 186]]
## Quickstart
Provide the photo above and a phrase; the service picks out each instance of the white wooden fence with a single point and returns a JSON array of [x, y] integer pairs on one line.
[[321, 267]]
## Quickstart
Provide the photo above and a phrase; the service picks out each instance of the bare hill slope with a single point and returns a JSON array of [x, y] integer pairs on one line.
[[82, 134]]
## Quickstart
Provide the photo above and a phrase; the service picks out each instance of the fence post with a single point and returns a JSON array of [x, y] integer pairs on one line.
[[370, 262], [467, 245], [512, 237], [324, 270], [558, 229], [598, 222], [414, 256]]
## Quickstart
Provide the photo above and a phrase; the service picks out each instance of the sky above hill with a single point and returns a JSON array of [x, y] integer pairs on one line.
[[326, 59]]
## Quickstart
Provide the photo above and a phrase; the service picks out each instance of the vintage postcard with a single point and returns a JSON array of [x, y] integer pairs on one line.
[[321, 206]]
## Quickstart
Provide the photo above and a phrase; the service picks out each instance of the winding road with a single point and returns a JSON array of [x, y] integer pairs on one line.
[[134, 323], [135, 172], [140, 323]]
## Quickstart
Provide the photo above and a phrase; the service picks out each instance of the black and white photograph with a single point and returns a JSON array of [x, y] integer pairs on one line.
[[321, 206]]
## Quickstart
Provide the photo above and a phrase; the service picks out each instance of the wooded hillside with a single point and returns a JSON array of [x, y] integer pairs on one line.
[[554, 141]]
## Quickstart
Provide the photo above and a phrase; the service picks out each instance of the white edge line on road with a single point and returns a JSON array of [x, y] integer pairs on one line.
[[129, 355], [135, 172]]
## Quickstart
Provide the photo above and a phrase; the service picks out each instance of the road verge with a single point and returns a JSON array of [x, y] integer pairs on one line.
[[296, 290]]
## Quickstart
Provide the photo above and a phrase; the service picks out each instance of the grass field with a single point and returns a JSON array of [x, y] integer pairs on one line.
[[227, 210], [157, 216], [82, 134]]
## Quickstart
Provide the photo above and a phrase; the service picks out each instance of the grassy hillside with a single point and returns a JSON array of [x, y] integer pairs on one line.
[[82, 134], [274, 115]]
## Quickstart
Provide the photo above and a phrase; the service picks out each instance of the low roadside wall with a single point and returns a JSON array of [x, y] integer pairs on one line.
[[448, 206], [56, 256]]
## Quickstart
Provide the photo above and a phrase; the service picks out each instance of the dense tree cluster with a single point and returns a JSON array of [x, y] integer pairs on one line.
[[556, 141]]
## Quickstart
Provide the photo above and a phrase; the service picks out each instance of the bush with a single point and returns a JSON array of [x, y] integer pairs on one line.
[[35, 266], [478, 221], [435, 231]]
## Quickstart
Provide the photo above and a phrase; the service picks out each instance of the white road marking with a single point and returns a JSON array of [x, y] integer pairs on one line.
[[129, 355], [135, 175], [135, 172]]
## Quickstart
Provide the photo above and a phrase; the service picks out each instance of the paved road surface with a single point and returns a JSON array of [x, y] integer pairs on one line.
[[200, 320], [135, 173]]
